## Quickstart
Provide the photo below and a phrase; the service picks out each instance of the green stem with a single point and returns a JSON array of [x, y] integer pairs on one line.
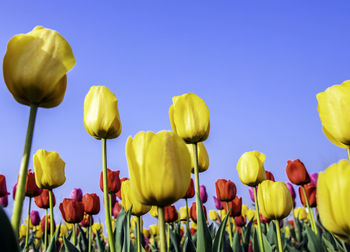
[[74, 228], [45, 229], [196, 178], [296, 226], [51, 214], [278, 231], [229, 221], [161, 229], [105, 195], [310, 212], [187, 217], [90, 234], [28, 221], [138, 234], [258, 220], [168, 238], [20, 191]]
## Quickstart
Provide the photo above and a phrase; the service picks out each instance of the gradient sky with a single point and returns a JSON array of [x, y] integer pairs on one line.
[[257, 64]]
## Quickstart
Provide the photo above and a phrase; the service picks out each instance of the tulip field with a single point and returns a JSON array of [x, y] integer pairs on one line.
[[164, 168]]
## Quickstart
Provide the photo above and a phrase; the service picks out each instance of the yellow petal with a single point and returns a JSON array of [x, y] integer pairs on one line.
[[203, 157], [129, 199], [250, 168]]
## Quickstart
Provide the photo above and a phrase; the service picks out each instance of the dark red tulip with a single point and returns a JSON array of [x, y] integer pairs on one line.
[[193, 212], [42, 223], [72, 210], [116, 209], [170, 214], [34, 217], [310, 190], [190, 191], [235, 205], [203, 194], [4, 201], [297, 172], [3, 188], [113, 181], [87, 220], [43, 200], [119, 193], [269, 176], [225, 190], [240, 221], [32, 189], [91, 203]]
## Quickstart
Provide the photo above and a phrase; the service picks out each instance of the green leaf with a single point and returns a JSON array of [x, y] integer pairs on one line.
[[236, 246], [204, 239], [82, 239], [175, 241], [8, 239], [314, 242], [255, 243], [100, 244], [69, 247], [218, 240], [271, 234], [267, 246], [119, 230], [54, 244], [188, 245], [246, 235], [126, 231]]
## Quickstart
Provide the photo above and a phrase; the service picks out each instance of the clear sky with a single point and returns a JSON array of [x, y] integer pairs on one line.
[[257, 64]]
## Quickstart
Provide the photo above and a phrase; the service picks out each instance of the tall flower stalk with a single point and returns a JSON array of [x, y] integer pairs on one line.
[[51, 214], [258, 220], [161, 224], [28, 222], [310, 212]]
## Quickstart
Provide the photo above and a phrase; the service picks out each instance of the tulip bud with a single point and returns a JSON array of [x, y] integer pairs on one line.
[[183, 214], [170, 214], [297, 172], [76, 194], [333, 105], [49, 169], [72, 210], [250, 214], [225, 190], [300, 213], [3, 188], [31, 189], [43, 200], [313, 178], [87, 220], [22, 231], [235, 206], [240, 221], [113, 181], [217, 203], [269, 176], [159, 166], [34, 217], [91, 203], [251, 193], [4, 201], [189, 118], [101, 115], [275, 201], [119, 193], [202, 155], [116, 210], [213, 215], [193, 212], [310, 190], [35, 67], [203, 194], [130, 199], [250, 168], [292, 192], [190, 191], [48, 221]]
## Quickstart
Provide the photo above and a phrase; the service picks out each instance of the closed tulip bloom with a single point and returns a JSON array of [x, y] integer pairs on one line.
[[193, 212], [130, 199], [189, 118], [3, 188], [313, 178], [310, 190], [213, 215], [190, 191], [49, 169], [333, 107], [48, 219], [154, 229], [35, 67], [119, 193], [300, 213], [235, 206], [250, 168], [203, 194], [113, 181], [297, 172], [251, 214], [217, 203], [240, 221], [183, 215], [203, 157], [275, 201], [269, 175], [159, 166], [22, 231], [72, 210], [225, 190], [43, 200], [76, 194], [91, 203], [4, 201], [170, 214], [87, 220], [251, 193], [34, 217], [116, 209], [31, 189], [291, 190], [244, 210], [101, 115]]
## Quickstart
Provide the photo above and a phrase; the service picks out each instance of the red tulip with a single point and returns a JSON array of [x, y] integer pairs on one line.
[[225, 190], [3, 188], [193, 212], [116, 209], [269, 176], [119, 193], [4, 201], [113, 181], [91, 203], [48, 219], [87, 220], [190, 191], [235, 205], [297, 172], [310, 190], [32, 189], [72, 210], [42, 200], [170, 214], [240, 221]]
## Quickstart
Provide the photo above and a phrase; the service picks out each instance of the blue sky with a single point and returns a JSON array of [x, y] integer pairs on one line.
[[257, 64]]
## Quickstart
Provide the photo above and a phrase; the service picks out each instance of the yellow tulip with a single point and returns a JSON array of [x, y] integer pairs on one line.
[[301, 214], [244, 210], [97, 228], [63, 231], [193, 225], [49, 169], [333, 187], [203, 157], [287, 231], [22, 231], [133, 223], [250, 214], [70, 226], [154, 211], [250, 168], [275, 200], [130, 199], [213, 215], [146, 232], [189, 118], [154, 229], [333, 108], [159, 166], [38, 233], [35, 67], [101, 115], [183, 215]]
